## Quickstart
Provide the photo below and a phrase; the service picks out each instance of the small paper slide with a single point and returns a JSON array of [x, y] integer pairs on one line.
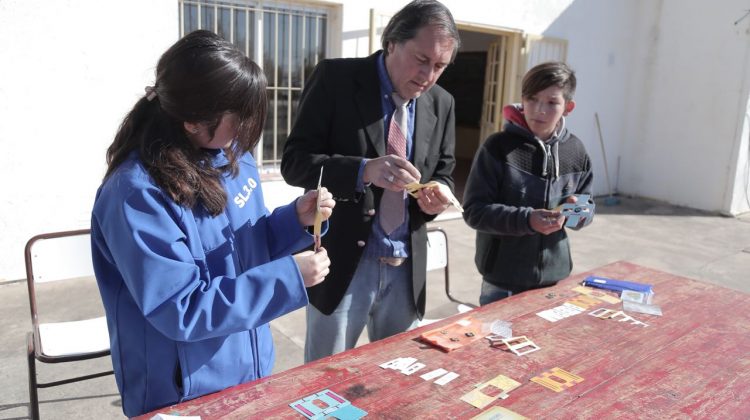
[[434, 374], [447, 378]]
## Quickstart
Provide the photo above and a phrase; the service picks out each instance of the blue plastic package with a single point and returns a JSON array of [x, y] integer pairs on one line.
[[616, 285]]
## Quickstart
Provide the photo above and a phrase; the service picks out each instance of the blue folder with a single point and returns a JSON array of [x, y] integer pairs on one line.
[[616, 285]]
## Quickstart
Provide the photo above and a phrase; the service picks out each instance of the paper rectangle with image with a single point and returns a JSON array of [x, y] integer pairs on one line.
[[560, 312]]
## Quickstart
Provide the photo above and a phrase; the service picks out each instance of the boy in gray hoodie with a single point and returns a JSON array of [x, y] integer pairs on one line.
[[517, 181]]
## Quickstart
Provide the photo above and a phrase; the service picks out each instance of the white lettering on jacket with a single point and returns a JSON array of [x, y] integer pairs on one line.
[[242, 197]]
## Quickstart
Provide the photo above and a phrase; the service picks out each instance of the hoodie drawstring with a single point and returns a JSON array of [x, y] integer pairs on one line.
[[556, 157], [553, 152], [545, 147]]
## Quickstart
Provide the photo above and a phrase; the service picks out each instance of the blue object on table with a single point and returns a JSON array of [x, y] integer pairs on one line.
[[579, 214], [327, 404], [616, 285]]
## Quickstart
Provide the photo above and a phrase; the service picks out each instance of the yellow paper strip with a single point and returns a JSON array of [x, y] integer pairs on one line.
[[562, 379], [590, 291], [479, 399]]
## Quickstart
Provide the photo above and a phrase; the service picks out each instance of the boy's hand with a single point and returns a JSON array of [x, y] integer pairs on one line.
[[546, 221], [313, 266]]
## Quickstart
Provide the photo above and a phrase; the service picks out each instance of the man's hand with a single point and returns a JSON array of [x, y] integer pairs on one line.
[[313, 266], [433, 200], [306, 206], [390, 172], [546, 221]]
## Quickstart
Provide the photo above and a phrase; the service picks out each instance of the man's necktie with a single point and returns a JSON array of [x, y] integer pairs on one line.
[[392, 203]]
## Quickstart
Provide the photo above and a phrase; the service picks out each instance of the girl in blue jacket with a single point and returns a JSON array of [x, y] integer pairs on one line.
[[190, 264]]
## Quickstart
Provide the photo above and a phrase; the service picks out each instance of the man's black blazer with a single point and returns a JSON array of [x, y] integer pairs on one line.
[[340, 122]]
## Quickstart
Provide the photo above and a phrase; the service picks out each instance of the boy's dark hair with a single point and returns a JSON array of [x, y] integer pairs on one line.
[[553, 73], [198, 80], [405, 24]]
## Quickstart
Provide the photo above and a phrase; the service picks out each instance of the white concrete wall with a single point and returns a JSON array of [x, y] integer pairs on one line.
[[687, 103], [740, 195], [70, 71], [600, 50], [599, 43], [668, 79]]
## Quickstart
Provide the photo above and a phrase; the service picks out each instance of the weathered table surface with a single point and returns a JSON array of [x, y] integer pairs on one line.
[[692, 362]]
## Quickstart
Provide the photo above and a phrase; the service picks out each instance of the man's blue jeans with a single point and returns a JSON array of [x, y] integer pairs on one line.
[[379, 296]]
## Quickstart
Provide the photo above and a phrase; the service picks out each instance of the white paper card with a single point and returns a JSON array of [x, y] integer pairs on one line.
[[400, 363], [559, 312], [549, 315], [388, 364], [434, 374], [447, 378], [412, 368]]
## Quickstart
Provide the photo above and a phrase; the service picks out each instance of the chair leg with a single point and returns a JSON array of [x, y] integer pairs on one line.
[[33, 396]]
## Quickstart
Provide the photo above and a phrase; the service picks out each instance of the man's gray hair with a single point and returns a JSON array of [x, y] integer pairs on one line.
[[405, 24]]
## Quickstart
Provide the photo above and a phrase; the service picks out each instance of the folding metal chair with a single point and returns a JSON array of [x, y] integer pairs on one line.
[[54, 257], [437, 259]]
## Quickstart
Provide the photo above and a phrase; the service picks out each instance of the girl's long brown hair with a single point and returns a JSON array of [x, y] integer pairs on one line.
[[198, 80]]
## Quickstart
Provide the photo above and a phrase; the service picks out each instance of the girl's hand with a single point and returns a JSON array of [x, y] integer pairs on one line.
[[306, 206], [313, 266]]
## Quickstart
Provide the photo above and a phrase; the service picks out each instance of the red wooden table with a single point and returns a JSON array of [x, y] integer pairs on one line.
[[692, 362]]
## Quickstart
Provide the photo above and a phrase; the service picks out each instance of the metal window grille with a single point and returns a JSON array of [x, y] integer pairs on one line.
[[286, 40]]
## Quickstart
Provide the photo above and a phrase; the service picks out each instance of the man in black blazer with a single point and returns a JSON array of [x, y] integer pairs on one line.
[[343, 124]]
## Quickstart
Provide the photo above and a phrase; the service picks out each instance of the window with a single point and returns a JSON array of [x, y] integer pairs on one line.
[[286, 40]]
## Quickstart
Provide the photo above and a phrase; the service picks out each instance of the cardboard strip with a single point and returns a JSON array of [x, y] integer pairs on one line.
[[499, 413], [620, 316], [517, 345], [455, 335], [318, 222], [584, 302], [500, 385], [596, 293], [557, 379], [414, 187]]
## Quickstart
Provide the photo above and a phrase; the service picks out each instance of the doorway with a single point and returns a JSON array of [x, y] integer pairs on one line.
[[467, 79]]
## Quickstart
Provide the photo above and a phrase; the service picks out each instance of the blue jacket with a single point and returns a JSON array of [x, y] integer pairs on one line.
[[188, 297]]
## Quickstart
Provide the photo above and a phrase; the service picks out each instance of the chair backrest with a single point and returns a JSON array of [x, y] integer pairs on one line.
[[437, 249], [437, 259], [56, 256], [60, 256], [78, 331]]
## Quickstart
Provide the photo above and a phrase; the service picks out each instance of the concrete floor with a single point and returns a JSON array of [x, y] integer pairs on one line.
[[681, 241]]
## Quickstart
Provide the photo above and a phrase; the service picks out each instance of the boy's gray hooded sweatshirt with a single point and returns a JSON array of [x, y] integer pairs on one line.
[[513, 173]]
